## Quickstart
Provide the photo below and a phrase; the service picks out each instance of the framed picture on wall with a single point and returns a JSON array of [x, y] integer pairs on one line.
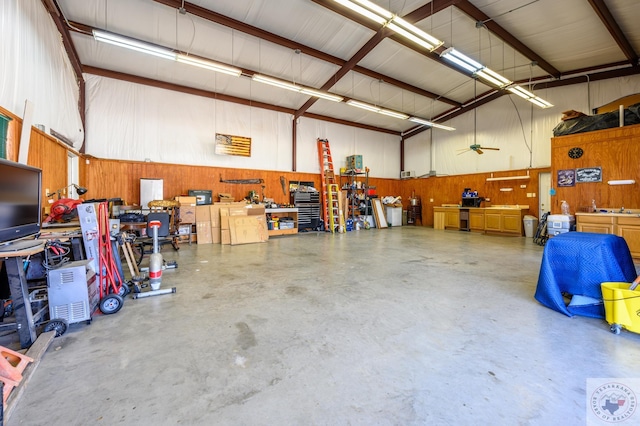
[[589, 174], [566, 177]]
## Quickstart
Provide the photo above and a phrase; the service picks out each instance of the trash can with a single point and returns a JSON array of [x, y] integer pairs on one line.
[[530, 224]]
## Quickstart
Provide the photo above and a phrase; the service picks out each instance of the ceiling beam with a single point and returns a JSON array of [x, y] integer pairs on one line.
[[475, 13], [281, 41], [380, 35], [219, 96], [609, 21]]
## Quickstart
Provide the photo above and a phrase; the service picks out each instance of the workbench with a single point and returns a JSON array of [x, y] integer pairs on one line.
[[25, 323]]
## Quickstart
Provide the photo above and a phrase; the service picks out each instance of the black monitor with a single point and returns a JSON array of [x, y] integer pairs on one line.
[[20, 205]]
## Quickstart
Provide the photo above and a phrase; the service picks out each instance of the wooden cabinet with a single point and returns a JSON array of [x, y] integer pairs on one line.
[[274, 215], [512, 222], [598, 224], [438, 218], [476, 220], [623, 225], [629, 229], [504, 221], [492, 221], [452, 219]]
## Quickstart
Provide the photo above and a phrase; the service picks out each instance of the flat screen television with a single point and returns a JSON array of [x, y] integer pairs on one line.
[[20, 205]]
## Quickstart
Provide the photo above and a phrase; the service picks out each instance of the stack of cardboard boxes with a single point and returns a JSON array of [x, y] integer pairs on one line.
[[231, 223]]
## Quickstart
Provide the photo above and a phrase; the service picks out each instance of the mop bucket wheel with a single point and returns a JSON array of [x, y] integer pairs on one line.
[[622, 306], [155, 223]]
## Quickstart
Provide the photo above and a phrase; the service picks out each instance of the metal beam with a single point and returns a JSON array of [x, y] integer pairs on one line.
[[227, 98], [478, 15], [609, 21]]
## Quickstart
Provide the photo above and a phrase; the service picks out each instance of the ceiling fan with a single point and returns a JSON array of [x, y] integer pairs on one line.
[[477, 148]]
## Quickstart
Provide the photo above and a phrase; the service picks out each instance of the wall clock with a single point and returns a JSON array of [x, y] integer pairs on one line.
[[576, 152]]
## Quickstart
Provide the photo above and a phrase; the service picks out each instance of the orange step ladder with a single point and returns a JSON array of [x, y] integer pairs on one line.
[[12, 364], [330, 209]]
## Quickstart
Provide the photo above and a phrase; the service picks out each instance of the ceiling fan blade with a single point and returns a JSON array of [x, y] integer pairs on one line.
[[494, 149], [479, 151], [462, 151]]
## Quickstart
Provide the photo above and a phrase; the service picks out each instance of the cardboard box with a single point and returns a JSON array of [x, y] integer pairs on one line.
[[203, 231], [354, 162], [225, 236], [203, 214], [216, 237], [187, 214], [186, 201], [226, 198], [247, 229]]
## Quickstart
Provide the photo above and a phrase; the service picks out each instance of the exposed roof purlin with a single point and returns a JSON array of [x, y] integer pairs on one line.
[[507, 37], [607, 19]]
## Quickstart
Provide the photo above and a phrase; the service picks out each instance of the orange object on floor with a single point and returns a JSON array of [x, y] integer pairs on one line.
[[7, 387], [12, 364]]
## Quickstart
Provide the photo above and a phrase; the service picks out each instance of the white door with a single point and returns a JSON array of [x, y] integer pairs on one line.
[[73, 174], [544, 198]]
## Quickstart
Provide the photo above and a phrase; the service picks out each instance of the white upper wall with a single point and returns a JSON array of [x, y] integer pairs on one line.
[[35, 67]]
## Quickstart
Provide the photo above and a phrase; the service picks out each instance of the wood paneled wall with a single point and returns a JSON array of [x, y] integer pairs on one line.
[[45, 152], [435, 191], [616, 150]]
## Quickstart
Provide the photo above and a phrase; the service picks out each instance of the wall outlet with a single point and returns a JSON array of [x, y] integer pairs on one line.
[[431, 200], [487, 199], [523, 186]]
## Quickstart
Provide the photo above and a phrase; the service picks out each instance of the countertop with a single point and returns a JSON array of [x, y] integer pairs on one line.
[[612, 213], [496, 207]]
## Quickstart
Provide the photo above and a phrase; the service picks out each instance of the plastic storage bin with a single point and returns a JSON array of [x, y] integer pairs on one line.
[[530, 224], [622, 306], [560, 223]]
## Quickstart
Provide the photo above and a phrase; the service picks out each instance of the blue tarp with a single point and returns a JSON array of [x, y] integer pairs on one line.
[[576, 263]]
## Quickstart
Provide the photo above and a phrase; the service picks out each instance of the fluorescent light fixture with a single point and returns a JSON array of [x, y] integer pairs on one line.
[[323, 95], [525, 94], [368, 9], [621, 182], [373, 108], [493, 179], [493, 77], [295, 88], [133, 44], [276, 82], [384, 17], [207, 64], [431, 124], [363, 105], [461, 59], [395, 114], [414, 33]]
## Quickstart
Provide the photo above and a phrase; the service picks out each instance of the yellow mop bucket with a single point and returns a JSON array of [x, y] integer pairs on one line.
[[622, 306]]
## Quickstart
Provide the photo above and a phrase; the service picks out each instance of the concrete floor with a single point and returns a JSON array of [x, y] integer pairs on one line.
[[402, 326]]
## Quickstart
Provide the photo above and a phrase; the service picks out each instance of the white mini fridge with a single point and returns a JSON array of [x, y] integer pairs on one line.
[[150, 190]]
